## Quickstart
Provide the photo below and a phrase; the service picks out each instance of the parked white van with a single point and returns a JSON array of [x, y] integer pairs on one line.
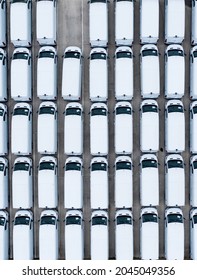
[[149, 234], [124, 22], [193, 181], [149, 126], [98, 75], [150, 71], [174, 234], [174, 71], [3, 130], [71, 73], [193, 72], [193, 127], [124, 73], [124, 235], [99, 129], [21, 75], [194, 23], [20, 22], [3, 183], [123, 127], [48, 235], [99, 183], [73, 183], [175, 127], [22, 192], [74, 237], [174, 180], [73, 129], [193, 234], [47, 73], [98, 23], [47, 182], [3, 74], [4, 235], [99, 246], [174, 21], [149, 180], [23, 245], [47, 128], [21, 129], [3, 9], [149, 21], [123, 191], [46, 22]]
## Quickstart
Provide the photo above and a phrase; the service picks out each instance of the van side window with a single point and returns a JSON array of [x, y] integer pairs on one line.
[[5, 171], [192, 58], [193, 2], [4, 59], [3, 5], [4, 117], [28, 5]]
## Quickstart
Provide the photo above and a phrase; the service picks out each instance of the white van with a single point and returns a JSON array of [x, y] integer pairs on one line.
[[73, 129], [74, 237], [193, 72], [124, 235], [124, 22], [174, 71], [3, 75], [193, 127], [48, 235], [3, 183], [174, 234], [123, 173], [47, 182], [23, 245], [149, 126], [174, 21], [149, 180], [174, 180], [193, 181], [124, 73], [99, 183], [99, 129], [194, 23], [72, 73], [175, 127], [98, 75], [47, 128], [3, 9], [4, 235], [21, 129], [149, 21], [99, 246], [3, 130], [46, 22], [21, 75], [193, 234], [20, 22], [150, 71], [73, 183], [22, 191], [98, 23], [123, 127], [47, 73], [149, 234]]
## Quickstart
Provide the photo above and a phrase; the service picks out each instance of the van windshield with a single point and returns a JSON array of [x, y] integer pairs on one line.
[[73, 220], [150, 52], [149, 217], [2, 221], [195, 219], [21, 56], [73, 166], [99, 111], [149, 163], [123, 220], [175, 163], [175, 218], [1, 56], [123, 165], [47, 165], [123, 110], [73, 111], [99, 221], [195, 54], [47, 110], [124, 54], [49, 54], [22, 220], [48, 220], [19, 1], [149, 108], [1, 112], [2, 167], [72, 55], [175, 108], [21, 111], [175, 53], [98, 56], [195, 109], [95, 1], [21, 166], [195, 164], [99, 166]]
